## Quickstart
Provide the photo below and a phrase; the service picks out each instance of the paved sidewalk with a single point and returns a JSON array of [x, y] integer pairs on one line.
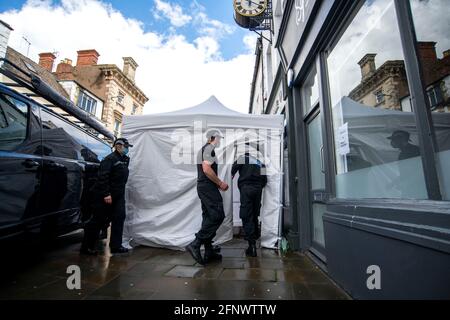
[[159, 274]]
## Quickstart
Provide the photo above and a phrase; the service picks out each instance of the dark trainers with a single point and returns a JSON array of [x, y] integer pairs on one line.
[[251, 250], [211, 255], [88, 252], [194, 249], [120, 250]]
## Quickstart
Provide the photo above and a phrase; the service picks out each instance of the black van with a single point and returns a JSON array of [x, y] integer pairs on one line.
[[47, 165]]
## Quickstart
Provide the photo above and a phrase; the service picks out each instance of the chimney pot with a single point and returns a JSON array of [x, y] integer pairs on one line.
[[87, 57], [46, 60]]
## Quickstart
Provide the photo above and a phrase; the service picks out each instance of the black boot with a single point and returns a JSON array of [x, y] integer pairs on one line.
[[119, 250], [251, 250], [88, 244], [211, 254], [194, 249]]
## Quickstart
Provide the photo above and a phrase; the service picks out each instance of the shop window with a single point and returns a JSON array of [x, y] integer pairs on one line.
[[377, 147], [433, 46]]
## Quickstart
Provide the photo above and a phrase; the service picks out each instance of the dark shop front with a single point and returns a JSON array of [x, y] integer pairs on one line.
[[369, 142]]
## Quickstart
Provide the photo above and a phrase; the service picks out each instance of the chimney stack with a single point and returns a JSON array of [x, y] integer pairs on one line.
[[5, 31], [129, 68], [446, 53], [64, 70], [87, 57], [46, 60], [367, 65], [427, 52]]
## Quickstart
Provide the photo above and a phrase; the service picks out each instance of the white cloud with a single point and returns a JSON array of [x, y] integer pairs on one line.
[[250, 42], [209, 47], [207, 26], [173, 12], [173, 72]]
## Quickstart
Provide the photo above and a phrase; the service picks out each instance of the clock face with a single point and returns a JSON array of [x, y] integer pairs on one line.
[[250, 8]]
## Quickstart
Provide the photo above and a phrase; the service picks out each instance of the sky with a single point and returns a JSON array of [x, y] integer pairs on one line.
[[187, 51]]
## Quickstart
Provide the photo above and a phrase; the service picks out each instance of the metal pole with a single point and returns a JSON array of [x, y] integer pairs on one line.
[[280, 218]]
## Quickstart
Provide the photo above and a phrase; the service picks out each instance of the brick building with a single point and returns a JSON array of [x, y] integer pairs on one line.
[[90, 84], [387, 86]]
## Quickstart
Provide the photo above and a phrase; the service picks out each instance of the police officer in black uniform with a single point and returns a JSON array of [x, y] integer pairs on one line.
[[108, 200], [252, 180], [208, 186]]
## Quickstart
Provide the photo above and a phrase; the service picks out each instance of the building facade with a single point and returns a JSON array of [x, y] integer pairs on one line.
[[364, 86], [104, 90]]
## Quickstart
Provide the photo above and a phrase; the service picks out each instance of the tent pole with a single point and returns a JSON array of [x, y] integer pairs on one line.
[[280, 218]]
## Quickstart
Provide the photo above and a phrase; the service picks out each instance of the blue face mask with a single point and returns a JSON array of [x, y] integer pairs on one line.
[[125, 151]]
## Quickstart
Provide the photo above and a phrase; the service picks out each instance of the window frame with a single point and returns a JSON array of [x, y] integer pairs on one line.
[[379, 96], [87, 103], [420, 103]]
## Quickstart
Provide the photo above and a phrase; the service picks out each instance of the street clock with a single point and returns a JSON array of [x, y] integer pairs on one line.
[[249, 13]]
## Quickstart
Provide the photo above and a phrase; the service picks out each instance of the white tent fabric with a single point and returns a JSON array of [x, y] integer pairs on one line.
[[163, 208]]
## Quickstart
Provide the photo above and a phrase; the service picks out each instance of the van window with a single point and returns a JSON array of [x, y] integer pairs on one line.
[[98, 148], [61, 139], [13, 123]]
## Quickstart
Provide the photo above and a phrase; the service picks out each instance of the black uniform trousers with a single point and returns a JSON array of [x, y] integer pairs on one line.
[[250, 210], [213, 214], [102, 215]]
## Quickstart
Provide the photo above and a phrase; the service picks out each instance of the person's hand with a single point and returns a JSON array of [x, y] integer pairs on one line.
[[223, 186], [108, 200]]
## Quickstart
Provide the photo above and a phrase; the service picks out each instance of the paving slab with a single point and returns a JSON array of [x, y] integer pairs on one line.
[[160, 274]]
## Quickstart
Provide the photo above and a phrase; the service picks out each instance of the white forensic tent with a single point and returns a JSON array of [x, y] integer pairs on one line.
[[163, 208]]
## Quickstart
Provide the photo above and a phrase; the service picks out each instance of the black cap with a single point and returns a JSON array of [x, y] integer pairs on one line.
[[123, 142], [400, 134]]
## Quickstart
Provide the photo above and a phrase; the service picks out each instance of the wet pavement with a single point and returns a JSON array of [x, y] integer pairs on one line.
[[160, 274]]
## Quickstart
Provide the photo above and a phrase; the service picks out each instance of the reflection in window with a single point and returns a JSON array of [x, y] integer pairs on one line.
[[318, 230], [377, 148], [98, 150], [60, 138], [310, 91], [13, 123], [433, 36]]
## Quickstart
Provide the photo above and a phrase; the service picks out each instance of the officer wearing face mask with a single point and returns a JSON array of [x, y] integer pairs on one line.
[[108, 203]]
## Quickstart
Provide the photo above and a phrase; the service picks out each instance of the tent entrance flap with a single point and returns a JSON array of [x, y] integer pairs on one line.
[[163, 208]]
